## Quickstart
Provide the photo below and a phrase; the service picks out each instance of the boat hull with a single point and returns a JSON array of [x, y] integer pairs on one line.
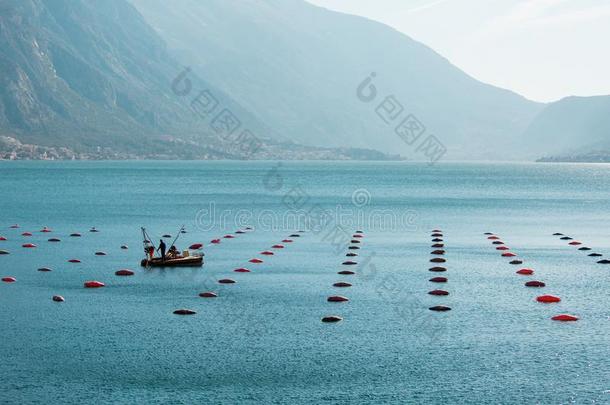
[[191, 261]]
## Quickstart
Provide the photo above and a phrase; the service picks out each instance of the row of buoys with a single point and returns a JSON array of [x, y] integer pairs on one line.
[[217, 241], [547, 299], [226, 281], [438, 245], [582, 248], [354, 244]]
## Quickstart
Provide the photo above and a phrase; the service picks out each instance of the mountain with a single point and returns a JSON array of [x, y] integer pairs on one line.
[[297, 68], [572, 129], [91, 79]]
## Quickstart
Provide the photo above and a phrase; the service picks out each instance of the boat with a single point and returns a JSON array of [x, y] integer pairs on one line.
[[186, 259]]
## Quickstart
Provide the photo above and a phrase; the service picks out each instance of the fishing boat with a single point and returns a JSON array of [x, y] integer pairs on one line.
[[185, 259]]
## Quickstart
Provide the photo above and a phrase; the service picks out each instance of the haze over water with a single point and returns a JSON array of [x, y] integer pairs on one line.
[[262, 340]]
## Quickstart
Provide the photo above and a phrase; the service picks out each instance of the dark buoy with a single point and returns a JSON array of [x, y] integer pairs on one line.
[[565, 318], [438, 260], [54, 240], [603, 261], [525, 272], [184, 312], [240, 232], [94, 284], [351, 254], [44, 269], [100, 253], [548, 299], [437, 252], [349, 263], [354, 248], [437, 235], [28, 245], [357, 235], [439, 308], [359, 231], [226, 281], [558, 234], [437, 269], [436, 231], [4, 252], [584, 248], [516, 262], [566, 238], [438, 292], [595, 255], [241, 270], [497, 242], [332, 318], [535, 284], [267, 253], [346, 272], [124, 272], [196, 246], [342, 284], [438, 279], [294, 235], [75, 235], [215, 241], [437, 240], [277, 247], [58, 298], [437, 245], [208, 294], [337, 298], [124, 247], [93, 229], [354, 241], [14, 226], [248, 228], [9, 279], [255, 260], [26, 234], [488, 233], [73, 261]]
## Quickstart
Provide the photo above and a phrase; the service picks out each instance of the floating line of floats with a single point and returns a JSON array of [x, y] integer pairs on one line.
[[575, 243], [438, 254], [545, 299], [355, 244]]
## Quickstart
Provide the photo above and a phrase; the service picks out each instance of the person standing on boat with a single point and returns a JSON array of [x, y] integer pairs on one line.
[[162, 249]]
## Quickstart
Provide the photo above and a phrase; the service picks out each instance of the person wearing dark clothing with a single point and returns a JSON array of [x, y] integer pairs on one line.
[[162, 249]]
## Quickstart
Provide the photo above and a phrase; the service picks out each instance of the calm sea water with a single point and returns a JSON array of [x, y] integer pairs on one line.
[[261, 340]]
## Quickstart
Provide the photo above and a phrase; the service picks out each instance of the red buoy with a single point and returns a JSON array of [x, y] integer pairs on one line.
[[208, 294], [437, 252], [493, 237], [342, 284], [226, 281], [337, 298], [28, 245], [438, 245], [438, 292], [45, 230], [346, 272], [9, 279], [535, 284], [2, 238], [437, 269], [502, 248], [215, 241], [196, 246], [508, 254], [242, 270], [73, 261], [438, 260], [267, 253], [548, 299], [525, 272], [58, 298], [565, 318], [332, 318], [357, 236], [287, 240], [94, 284], [575, 243], [278, 246], [184, 311], [255, 260], [26, 234], [124, 272], [228, 236], [438, 279]]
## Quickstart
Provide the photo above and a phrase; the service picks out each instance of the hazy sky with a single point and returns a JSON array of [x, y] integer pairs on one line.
[[542, 49]]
